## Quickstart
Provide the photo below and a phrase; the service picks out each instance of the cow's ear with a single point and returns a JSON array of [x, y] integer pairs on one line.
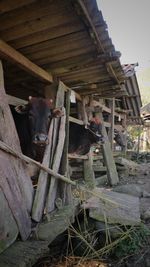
[[22, 109], [57, 112]]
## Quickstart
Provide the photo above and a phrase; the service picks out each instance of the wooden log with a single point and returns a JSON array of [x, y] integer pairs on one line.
[[112, 207], [8, 134], [9, 150], [41, 191]]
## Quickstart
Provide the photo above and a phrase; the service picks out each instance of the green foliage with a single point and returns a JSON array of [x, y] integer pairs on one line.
[[133, 242]]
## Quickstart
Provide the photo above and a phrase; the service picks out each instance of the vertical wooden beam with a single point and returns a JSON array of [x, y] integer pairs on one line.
[[111, 120], [89, 175], [66, 193], [57, 150], [108, 157]]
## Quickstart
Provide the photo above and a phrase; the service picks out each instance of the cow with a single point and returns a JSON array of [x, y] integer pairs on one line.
[[32, 123], [81, 138], [119, 138]]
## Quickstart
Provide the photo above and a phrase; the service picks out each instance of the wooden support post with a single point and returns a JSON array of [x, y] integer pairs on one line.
[[89, 175], [111, 120], [66, 193], [108, 157]]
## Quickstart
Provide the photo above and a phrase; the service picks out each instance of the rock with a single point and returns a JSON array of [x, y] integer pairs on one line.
[[146, 214], [116, 207], [140, 182], [147, 262], [102, 180], [146, 194], [114, 230], [130, 189]]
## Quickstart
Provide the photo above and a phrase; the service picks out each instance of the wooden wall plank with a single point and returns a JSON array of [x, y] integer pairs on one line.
[[8, 227], [13, 195]]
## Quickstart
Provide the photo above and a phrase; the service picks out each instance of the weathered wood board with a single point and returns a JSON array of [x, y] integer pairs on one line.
[[41, 191], [108, 158], [14, 198], [113, 207], [57, 148], [8, 134], [8, 227]]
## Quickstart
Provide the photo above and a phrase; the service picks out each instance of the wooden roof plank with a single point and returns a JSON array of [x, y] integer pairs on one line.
[[14, 56], [8, 5]]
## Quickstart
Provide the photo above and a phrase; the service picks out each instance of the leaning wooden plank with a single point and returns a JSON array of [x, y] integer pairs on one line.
[[65, 190], [14, 198], [112, 207], [8, 134], [14, 56], [108, 157], [41, 191], [56, 165], [8, 227]]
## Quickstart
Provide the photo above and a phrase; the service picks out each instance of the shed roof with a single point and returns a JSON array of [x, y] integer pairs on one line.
[[132, 100], [69, 39]]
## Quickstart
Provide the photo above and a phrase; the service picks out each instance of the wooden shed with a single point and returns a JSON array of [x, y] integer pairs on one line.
[[52, 48]]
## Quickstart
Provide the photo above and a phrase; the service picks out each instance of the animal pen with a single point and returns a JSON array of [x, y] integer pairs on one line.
[[61, 50]]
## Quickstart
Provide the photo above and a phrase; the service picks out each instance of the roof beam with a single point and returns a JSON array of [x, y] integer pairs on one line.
[[9, 53]]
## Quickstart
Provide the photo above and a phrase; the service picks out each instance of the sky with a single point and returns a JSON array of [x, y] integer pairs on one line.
[[129, 27]]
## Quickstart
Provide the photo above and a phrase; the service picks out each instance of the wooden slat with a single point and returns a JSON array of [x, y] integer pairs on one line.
[[57, 149], [46, 34], [7, 5], [41, 191], [28, 11], [77, 121], [44, 23], [14, 56]]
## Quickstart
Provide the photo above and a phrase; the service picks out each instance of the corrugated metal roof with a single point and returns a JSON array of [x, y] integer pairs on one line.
[[132, 100]]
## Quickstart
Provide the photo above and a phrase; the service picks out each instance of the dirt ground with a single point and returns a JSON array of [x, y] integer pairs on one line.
[[140, 177]]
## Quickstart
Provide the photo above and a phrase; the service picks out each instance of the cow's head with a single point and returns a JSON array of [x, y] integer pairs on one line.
[[96, 128], [40, 113]]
